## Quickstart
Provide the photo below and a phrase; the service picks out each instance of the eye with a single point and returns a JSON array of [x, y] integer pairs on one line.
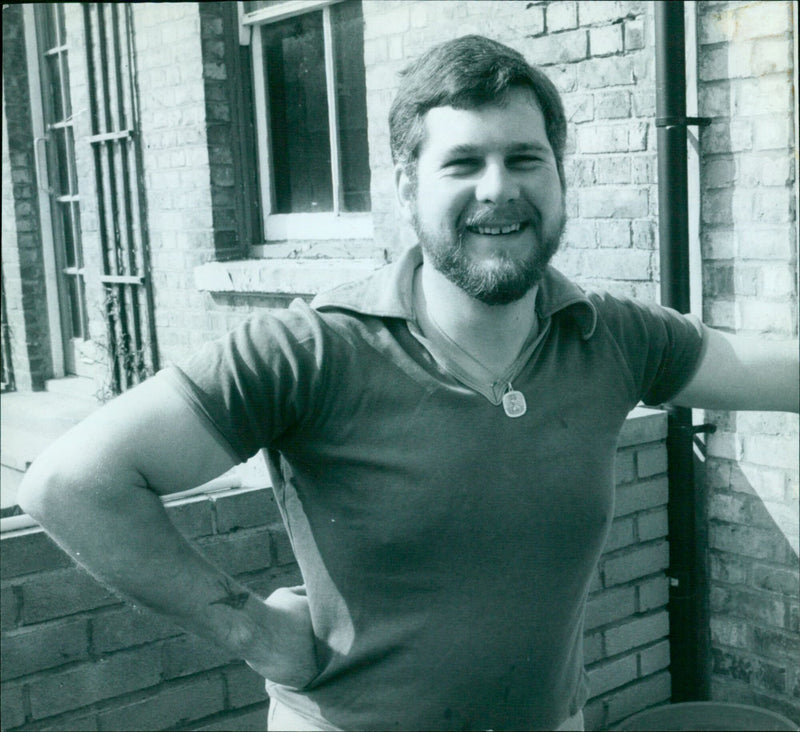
[[461, 166], [524, 162]]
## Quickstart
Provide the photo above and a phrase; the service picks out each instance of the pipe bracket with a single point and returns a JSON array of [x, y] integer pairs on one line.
[[682, 121]]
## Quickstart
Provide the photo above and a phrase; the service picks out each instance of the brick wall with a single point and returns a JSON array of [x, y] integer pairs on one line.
[[749, 246], [23, 268], [74, 657], [600, 56]]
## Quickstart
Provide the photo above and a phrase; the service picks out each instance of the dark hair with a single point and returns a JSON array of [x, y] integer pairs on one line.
[[467, 73]]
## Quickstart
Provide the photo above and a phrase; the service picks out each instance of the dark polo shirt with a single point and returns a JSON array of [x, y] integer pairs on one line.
[[446, 548]]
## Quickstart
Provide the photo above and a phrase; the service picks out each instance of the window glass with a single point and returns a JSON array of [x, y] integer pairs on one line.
[[295, 72], [348, 43]]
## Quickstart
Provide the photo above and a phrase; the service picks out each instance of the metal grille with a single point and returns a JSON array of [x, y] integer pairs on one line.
[[120, 194], [6, 367]]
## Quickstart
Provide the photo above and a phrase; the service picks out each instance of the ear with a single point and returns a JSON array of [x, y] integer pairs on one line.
[[404, 189]]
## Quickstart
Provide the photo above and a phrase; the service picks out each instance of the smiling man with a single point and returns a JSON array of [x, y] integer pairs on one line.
[[441, 436]]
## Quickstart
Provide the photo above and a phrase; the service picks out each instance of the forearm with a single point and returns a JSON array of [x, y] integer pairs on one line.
[[124, 537]]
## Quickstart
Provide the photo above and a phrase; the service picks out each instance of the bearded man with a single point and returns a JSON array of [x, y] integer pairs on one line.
[[441, 437]]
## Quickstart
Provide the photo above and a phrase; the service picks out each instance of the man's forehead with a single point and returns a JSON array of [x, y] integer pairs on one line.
[[516, 122]]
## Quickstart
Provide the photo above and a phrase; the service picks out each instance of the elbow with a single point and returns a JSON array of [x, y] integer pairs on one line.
[[38, 488]]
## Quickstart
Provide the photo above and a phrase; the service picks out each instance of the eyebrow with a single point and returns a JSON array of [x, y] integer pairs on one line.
[[514, 147]]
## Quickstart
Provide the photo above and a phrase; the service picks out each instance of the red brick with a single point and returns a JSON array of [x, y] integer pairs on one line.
[[8, 606], [642, 426], [244, 686], [12, 706], [609, 606], [71, 722], [611, 675], [750, 604], [774, 579], [252, 720], [654, 659], [652, 525], [641, 496], [240, 551], [620, 535], [640, 562], [28, 650], [61, 593], [240, 509], [169, 706], [749, 541], [129, 627], [193, 517], [637, 632], [189, 654], [639, 695], [651, 460], [30, 550], [91, 682]]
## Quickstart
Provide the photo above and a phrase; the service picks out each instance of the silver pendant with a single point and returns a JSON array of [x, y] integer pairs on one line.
[[514, 403]]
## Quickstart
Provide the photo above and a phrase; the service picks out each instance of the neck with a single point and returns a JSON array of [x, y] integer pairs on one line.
[[492, 334]]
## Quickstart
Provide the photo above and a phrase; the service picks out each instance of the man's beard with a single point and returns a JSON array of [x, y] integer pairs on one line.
[[506, 279]]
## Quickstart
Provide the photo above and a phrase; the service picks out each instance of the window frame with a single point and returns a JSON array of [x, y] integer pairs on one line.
[[330, 225]]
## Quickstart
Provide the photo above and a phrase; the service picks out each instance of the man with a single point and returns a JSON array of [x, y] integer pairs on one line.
[[442, 439]]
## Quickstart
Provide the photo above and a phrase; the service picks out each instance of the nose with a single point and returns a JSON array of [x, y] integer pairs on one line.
[[497, 185]]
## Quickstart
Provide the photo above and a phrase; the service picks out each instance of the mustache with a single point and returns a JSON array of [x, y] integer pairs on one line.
[[499, 215]]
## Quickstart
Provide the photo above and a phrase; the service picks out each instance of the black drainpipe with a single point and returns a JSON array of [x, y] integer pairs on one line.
[[688, 599]]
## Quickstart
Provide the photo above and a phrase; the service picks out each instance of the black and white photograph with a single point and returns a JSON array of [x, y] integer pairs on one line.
[[400, 365]]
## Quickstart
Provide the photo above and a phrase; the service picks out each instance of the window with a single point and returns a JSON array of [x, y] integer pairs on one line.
[[311, 118]]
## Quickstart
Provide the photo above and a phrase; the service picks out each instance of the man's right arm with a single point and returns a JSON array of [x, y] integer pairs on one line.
[[97, 491]]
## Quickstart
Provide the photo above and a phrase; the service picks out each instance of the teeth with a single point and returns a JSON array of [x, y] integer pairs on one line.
[[495, 230]]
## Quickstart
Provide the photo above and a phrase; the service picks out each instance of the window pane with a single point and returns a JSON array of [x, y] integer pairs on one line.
[[54, 88], [68, 232], [74, 291], [294, 62], [348, 44], [59, 136]]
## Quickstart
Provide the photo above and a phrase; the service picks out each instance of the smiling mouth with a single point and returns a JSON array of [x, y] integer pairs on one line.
[[497, 230]]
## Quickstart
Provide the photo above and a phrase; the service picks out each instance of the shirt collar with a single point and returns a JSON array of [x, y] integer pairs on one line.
[[387, 293]]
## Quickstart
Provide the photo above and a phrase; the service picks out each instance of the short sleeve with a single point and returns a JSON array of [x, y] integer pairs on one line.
[[259, 381], [660, 348]]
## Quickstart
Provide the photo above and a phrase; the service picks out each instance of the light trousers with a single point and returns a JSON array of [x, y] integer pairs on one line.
[[283, 719]]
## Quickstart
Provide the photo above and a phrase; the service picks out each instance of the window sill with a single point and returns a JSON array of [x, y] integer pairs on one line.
[[284, 276]]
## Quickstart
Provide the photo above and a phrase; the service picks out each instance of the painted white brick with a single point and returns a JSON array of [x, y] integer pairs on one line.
[[603, 138], [643, 234], [759, 20], [769, 450], [719, 173], [613, 105], [766, 317], [580, 233], [602, 72], [771, 56], [613, 234], [777, 281], [605, 40], [625, 264], [772, 133], [634, 34], [766, 95], [765, 242], [724, 444], [613, 202], [773, 205], [559, 48], [602, 11], [613, 169], [579, 107], [562, 16]]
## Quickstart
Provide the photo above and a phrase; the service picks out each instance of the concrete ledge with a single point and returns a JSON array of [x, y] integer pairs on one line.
[[280, 276]]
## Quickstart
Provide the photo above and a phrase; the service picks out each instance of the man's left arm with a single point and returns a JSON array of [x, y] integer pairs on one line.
[[740, 373]]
